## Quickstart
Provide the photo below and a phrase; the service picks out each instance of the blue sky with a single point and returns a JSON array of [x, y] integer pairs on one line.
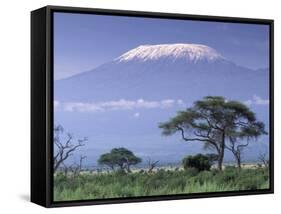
[[83, 42]]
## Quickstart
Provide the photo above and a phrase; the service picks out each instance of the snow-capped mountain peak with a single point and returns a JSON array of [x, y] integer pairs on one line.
[[190, 52]]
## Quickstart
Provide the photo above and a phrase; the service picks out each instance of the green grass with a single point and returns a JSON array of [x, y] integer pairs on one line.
[[163, 182]]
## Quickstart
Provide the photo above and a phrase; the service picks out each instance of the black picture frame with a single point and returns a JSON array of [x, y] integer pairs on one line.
[[42, 104]]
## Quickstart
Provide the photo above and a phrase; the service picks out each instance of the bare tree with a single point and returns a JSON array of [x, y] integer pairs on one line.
[[238, 140], [263, 158], [80, 162], [236, 149], [65, 169], [74, 169], [151, 165], [77, 168], [64, 148]]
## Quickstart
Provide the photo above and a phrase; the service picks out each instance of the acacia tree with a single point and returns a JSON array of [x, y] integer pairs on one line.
[[64, 146], [210, 121], [240, 138], [108, 160], [120, 157]]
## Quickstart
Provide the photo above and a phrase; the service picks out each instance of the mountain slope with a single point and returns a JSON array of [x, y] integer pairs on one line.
[[154, 71]]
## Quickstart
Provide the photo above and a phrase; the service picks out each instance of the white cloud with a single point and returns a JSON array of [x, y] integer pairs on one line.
[[180, 102], [56, 104], [256, 100], [137, 115], [121, 104], [81, 107]]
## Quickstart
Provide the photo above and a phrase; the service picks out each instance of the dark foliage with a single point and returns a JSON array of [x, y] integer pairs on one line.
[[200, 162], [121, 158]]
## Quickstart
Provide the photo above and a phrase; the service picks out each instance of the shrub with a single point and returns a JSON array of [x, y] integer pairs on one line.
[[200, 162]]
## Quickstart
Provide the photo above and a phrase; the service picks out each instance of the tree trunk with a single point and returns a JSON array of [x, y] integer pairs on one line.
[[238, 160], [220, 160], [128, 168], [239, 163], [221, 152], [121, 167], [56, 166]]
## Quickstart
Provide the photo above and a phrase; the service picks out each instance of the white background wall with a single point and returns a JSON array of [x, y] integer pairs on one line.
[[15, 105]]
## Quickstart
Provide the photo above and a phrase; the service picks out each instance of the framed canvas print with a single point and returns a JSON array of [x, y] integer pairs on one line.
[[138, 106]]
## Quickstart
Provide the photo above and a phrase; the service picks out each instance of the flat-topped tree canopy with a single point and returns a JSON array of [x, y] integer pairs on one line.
[[121, 157], [214, 120]]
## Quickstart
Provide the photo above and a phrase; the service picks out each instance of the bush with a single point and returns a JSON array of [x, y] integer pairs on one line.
[[200, 162]]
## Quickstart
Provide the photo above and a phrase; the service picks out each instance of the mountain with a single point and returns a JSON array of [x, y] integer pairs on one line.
[[191, 53], [121, 102], [152, 71]]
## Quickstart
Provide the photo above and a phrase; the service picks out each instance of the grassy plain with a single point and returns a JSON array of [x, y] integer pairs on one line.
[[160, 182]]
